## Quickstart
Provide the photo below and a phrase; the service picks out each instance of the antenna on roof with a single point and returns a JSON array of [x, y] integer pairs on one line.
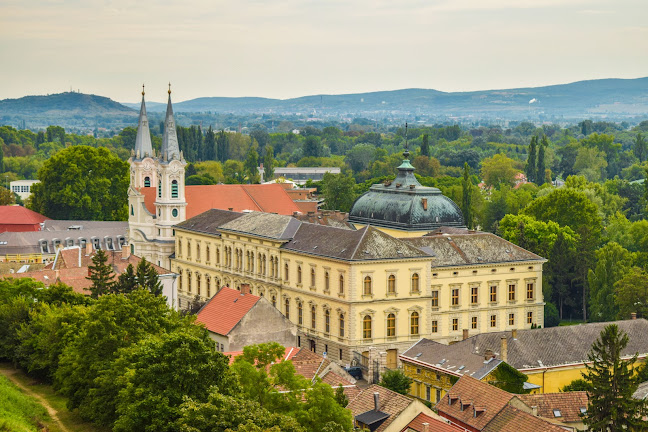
[[406, 153]]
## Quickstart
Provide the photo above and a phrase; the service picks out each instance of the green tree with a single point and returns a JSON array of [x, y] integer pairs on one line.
[[466, 198], [82, 183], [6, 197], [498, 170], [631, 294], [338, 191], [591, 164], [340, 397], [613, 262], [313, 146], [269, 163], [396, 380], [101, 275], [640, 148], [147, 277], [425, 145], [576, 385], [251, 164], [612, 382], [126, 282], [530, 167], [540, 171]]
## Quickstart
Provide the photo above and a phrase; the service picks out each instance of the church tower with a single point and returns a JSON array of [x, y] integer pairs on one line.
[[170, 203]]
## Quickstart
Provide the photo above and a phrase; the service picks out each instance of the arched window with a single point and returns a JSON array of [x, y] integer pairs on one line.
[[327, 321], [367, 285], [198, 252], [174, 189], [366, 327], [300, 313], [147, 182], [326, 281], [179, 279], [414, 323], [207, 253], [341, 284], [391, 284], [189, 282], [286, 272], [391, 325], [274, 301], [132, 210], [415, 282], [312, 276], [198, 283], [251, 262], [341, 325], [208, 283], [217, 256], [287, 306], [313, 317], [299, 278], [159, 189]]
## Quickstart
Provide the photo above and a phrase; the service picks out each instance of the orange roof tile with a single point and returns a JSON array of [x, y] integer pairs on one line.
[[269, 198], [390, 402], [569, 404], [511, 419], [436, 425], [223, 311]]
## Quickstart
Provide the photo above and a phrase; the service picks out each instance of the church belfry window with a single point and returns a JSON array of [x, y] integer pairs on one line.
[[174, 189], [147, 181], [159, 189]]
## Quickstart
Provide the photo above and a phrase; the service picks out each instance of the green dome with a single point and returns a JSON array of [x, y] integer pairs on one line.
[[406, 205]]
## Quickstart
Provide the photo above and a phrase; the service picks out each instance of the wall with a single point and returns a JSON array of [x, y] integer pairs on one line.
[[263, 323]]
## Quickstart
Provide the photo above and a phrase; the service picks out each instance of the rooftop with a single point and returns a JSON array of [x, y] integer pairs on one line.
[[390, 403], [435, 425], [225, 309], [19, 215], [569, 405]]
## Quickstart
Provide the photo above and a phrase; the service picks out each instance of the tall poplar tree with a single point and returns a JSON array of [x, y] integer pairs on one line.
[[466, 201], [268, 163], [541, 167], [425, 146], [530, 169]]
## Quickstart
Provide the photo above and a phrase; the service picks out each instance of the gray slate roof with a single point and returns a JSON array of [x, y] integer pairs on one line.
[[209, 221], [275, 226], [557, 346], [642, 391], [470, 247], [456, 358]]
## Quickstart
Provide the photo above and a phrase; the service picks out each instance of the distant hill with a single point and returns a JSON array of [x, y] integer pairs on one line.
[[580, 99]]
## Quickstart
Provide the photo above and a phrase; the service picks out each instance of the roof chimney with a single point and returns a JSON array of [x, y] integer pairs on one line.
[[88, 248], [230, 208], [376, 401], [125, 252], [465, 334], [534, 410], [514, 333], [245, 289], [426, 427], [633, 315], [488, 354], [504, 348]]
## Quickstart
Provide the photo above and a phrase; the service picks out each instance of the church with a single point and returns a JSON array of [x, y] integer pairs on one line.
[[409, 269]]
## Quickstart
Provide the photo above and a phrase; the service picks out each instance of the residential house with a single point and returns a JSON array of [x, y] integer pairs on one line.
[[563, 409], [15, 218]]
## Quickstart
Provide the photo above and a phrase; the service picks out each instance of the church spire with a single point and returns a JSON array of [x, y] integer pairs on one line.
[[170, 147], [143, 145]]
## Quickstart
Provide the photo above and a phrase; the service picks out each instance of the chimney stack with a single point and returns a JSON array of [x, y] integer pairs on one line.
[[504, 348], [488, 354], [633, 315], [465, 334], [88, 248], [376, 401], [514, 333], [245, 289], [426, 427], [125, 252], [534, 410]]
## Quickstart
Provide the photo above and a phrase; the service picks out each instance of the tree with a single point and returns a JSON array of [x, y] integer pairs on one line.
[[631, 294], [338, 192], [425, 145], [340, 397], [313, 146], [82, 183], [222, 146], [268, 163], [251, 164], [210, 145], [466, 198], [591, 164], [530, 168], [640, 148], [6, 197], [396, 380], [613, 262], [498, 170], [360, 156], [147, 277], [101, 275], [612, 382], [540, 171]]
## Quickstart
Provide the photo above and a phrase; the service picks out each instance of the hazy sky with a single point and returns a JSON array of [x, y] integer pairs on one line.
[[299, 47]]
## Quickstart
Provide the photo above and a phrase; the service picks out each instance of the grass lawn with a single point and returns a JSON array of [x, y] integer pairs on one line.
[[570, 323], [19, 411], [70, 419]]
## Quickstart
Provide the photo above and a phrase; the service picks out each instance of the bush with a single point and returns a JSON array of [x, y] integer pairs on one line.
[[551, 317]]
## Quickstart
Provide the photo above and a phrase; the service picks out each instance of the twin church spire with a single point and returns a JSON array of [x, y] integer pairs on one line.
[[143, 147]]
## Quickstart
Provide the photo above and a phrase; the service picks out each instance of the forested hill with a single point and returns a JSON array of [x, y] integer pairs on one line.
[[580, 99], [67, 108]]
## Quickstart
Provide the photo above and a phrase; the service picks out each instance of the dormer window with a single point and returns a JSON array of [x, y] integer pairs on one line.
[[557, 413]]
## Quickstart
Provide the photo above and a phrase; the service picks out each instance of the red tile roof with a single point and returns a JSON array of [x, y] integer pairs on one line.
[[511, 419], [223, 311], [269, 198], [569, 404], [390, 402], [18, 215], [435, 425]]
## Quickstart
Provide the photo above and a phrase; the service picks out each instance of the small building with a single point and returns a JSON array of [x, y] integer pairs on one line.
[[15, 218], [562, 409], [300, 175], [379, 409], [236, 319], [22, 187]]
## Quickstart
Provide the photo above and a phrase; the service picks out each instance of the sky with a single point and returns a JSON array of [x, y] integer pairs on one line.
[[290, 48]]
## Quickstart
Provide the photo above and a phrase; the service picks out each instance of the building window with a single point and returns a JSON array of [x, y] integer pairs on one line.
[[132, 210], [274, 301], [511, 292], [198, 279], [391, 325], [217, 256], [326, 281], [341, 284], [159, 189], [198, 252], [327, 321], [428, 393], [511, 319], [174, 212], [287, 306], [341, 325], [435, 326], [366, 327], [473, 322], [313, 317], [207, 253], [189, 282], [455, 324], [391, 284], [312, 276], [455, 297], [286, 272], [415, 283], [174, 189], [299, 275], [147, 182], [208, 281], [493, 293], [435, 298], [414, 323], [493, 320], [530, 291], [529, 317], [300, 314], [474, 295], [367, 285]]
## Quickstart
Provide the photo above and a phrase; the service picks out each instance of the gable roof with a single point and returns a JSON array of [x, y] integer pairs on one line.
[[19, 215], [568, 403], [469, 247], [511, 419], [270, 198], [390, 402], [556, 346], [456, 359], [223, 311], [435, 425]]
